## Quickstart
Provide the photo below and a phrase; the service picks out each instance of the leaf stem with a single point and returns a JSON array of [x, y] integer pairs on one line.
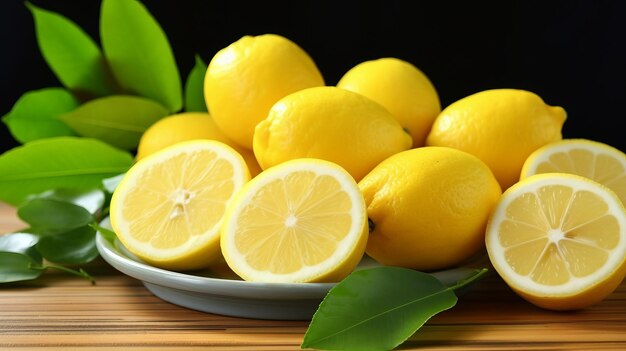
[[475, 275], [80, 272], [102, 213]]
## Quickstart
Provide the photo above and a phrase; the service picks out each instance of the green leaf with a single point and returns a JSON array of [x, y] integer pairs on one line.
[[139, 52], [194, 87], [35, 114], [49, 216], [73, 247], [118, 120], [90, 200], [17, 267], [72, 55], [61, 162], [376, 309], [22, 243], [105, 232], [19, 257]]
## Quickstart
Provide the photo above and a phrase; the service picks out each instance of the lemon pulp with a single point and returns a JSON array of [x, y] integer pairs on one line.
[[588, 158], [168, 208], [559, 240], [301, 221]]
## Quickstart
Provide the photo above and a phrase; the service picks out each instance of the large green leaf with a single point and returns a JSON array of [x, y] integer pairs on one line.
[[118, 120], [194, 88], [377, 309], [35, 114], [61, 162], [139, 52], [72, 55]]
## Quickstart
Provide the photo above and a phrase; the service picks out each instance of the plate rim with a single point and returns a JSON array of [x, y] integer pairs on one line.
[[231, 288], [206, 285]]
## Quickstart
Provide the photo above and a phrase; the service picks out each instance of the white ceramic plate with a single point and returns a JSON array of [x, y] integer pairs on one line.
[[224, 293]]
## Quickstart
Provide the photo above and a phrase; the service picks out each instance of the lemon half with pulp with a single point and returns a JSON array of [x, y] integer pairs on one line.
[[588, 158], [559, 240], [301, 221], [168, 208]]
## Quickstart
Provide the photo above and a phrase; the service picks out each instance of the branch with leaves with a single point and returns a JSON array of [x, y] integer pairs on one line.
[[76, 136]]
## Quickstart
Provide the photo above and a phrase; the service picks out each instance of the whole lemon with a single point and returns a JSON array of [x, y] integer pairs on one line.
[[189, 126], [502, 127], [428, 207], [332, 124], [244, 79], [400, 87]]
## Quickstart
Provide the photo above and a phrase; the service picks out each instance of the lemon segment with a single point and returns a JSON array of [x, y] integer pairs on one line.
[[559, 240], [301, 221], [588, 158], [168, 208]]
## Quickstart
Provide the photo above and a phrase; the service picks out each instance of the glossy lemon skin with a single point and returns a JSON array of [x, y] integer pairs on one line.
[[429, 207], [502, 127], [401, 88], [332, 124], [244, 79]]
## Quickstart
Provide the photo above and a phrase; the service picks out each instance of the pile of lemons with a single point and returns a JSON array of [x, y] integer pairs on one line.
[[289, 179]]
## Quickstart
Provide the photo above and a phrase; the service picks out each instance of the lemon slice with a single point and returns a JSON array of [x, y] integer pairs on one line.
[[592, 159], [559, 240], [168, 208], [303, 220]]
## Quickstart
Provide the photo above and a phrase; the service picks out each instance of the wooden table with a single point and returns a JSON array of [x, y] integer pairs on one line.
[[61, 311]]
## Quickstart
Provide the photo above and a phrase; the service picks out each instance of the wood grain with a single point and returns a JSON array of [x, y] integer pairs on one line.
[[58, 311]]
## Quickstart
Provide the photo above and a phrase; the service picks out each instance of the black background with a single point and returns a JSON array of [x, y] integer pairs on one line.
[[571, 53]]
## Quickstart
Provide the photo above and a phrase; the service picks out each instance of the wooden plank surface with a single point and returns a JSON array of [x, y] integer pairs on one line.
[[59, 311]]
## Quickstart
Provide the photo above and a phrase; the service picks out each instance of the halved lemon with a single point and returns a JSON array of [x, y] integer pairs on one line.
[[303, 220], [168, 208], [559, 240], [588, 158]]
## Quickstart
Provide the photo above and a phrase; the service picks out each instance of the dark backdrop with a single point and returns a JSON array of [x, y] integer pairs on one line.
[[571, 53]]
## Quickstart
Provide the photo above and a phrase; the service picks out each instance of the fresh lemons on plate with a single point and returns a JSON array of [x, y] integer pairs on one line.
[[186, 126], [167, 210], [301, 221], [401, 88], [559, 240], [428, 207], [588, 158], [244, 79], [332, 124], [502, 127]]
